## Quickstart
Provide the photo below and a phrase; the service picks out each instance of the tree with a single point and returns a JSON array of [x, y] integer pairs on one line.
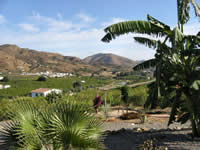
[[61, 126], [76, 84], [168, 61], [124, 94], [42, 78]]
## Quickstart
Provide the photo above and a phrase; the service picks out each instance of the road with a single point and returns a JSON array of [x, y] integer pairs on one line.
[[114, 85]]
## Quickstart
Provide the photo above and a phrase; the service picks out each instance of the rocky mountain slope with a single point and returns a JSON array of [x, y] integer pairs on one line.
[[16, 59], [111, 60]]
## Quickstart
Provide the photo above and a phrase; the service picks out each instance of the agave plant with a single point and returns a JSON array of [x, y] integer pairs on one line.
[[59, 127]]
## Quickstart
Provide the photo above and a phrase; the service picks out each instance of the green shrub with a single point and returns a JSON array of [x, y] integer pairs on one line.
[[9, 105], [42, 78], [76, 84], [4, 103], [138, 95], [53, 97]]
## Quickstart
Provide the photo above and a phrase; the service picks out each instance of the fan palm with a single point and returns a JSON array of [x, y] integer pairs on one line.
[[59, 127]]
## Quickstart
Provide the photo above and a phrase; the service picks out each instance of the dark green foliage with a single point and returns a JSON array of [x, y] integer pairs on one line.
[[7, 105], [145, 65], [53, 97], [124, 93], [152, 100], [4, 103], [138, 95], [42, 78], [143, 27], [76, 84]]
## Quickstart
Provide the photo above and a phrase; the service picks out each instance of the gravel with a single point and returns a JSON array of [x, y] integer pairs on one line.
[[126, 136]]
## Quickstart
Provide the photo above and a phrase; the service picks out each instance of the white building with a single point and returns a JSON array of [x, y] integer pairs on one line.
[[1, 78], [7, 86], [44, 92]]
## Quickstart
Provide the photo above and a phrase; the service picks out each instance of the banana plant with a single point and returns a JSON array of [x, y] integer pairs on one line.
[[176, 48]]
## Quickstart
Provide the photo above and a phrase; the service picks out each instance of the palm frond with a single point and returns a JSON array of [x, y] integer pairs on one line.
[[72, 125], [8, 139], [145, 64], [142, 27]]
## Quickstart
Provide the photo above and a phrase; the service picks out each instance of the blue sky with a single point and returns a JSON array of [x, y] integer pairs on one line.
[[75, 27]]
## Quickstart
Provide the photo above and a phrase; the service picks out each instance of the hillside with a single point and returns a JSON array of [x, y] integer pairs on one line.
[[111, 61], [16, 59]]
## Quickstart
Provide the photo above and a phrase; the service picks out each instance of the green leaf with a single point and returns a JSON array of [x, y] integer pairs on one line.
[[142, 27], [146, 41], [158, 23], [183, 11], [195, 85], [145, 64], [177, 37]]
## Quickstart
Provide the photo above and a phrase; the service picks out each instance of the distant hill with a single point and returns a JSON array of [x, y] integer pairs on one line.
[[16, 59], [111, 61]]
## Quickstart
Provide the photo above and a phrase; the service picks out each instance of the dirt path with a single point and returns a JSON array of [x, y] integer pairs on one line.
[[116, 85], [140, 83]]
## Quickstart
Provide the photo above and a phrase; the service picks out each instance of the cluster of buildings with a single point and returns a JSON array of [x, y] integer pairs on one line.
[[50, 74]]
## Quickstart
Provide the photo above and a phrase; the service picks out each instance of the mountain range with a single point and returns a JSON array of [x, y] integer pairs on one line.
[[16, 59]]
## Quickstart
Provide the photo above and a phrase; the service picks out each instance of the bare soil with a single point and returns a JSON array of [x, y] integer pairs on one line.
[[129, 134]]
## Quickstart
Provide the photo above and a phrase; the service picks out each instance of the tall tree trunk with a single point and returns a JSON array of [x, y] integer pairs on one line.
[[194, 128]]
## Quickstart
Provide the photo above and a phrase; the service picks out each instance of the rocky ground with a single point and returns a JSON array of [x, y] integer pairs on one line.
[[130, 134]]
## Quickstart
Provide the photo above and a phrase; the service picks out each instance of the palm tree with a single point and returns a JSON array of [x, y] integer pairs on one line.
[[59, 127]]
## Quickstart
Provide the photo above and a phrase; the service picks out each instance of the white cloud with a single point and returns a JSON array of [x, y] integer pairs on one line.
[[53, 24], [71, 39], [29, 27], [113, 21], [85, 18], [2, 19], [192, 29]]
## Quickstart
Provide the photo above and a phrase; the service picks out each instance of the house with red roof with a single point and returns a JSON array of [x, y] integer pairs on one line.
[[44, 92]]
